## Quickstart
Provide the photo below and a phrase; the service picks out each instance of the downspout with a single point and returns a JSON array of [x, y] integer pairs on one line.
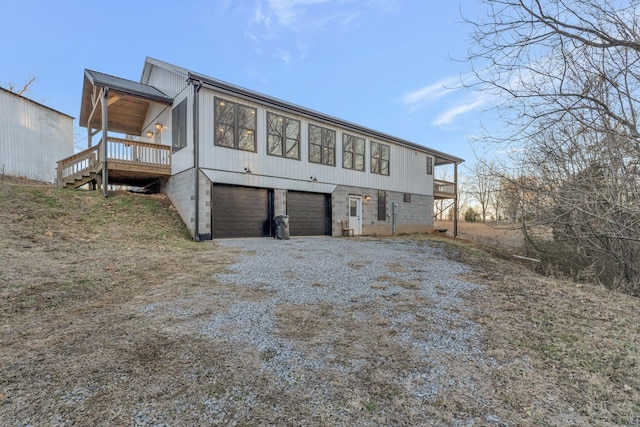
[[105, 168], [455, 200], [196, 159]]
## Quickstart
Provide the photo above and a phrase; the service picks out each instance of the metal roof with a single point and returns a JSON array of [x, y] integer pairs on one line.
[[127, 86], [35, 102], [130, 102], [440, 157]]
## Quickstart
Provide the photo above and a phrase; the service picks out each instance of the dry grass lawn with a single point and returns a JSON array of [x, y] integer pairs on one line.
[[75, 348], [505, 235]]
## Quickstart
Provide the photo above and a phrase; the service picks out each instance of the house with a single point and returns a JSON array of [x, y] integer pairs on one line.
[[231, 159], [32, 137]]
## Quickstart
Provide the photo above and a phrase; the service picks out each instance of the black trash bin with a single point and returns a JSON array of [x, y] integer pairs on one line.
[[282, 227]]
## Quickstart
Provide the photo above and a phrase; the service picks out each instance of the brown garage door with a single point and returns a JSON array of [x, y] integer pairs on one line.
[[241, 211], [309, 213]]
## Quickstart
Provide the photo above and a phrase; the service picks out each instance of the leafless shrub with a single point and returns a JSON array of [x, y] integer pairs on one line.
[[566, 79]]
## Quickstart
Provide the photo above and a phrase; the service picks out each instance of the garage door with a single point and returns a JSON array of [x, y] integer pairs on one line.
[[309, 213], [241, 211]]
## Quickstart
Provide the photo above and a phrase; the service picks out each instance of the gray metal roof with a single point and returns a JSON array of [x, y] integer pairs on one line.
[[132, 99], [127, 86], [440, 157]]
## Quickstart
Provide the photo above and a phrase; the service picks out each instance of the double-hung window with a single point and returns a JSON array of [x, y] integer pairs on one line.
[[235, 125], [352, 152], [380, 154], [429, 166], [283, 136], [322, 145]]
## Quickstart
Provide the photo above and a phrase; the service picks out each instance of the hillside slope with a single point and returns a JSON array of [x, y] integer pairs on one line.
[[81, 340]]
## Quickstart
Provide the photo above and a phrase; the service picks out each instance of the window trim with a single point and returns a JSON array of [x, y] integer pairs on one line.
[[382, 205], [380, 159], [353, 152], [178, 132], [429, 165], [283, 143], [323, 130], [236, 126]]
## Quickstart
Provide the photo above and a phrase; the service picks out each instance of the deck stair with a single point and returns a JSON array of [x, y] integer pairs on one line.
[[129, 162]]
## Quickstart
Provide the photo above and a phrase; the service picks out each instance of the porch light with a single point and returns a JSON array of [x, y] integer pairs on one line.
[[367, 198], [159, 126], [149, 134]]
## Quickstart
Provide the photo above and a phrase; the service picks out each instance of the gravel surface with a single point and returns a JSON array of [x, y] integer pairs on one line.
[[344, 273], [360, 280]]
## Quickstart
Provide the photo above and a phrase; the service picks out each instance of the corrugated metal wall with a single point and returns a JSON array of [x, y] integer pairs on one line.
[[32, 138]]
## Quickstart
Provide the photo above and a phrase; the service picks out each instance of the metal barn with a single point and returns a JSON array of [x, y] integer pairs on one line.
[[32, 137]]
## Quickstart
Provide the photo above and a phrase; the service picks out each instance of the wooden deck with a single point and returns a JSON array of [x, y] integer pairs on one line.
[[129, 162], [444, 189]]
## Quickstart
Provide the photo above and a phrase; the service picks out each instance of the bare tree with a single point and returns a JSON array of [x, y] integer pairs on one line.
[[495, 202], [25, 87], [566, 75], [482, 185], [442, 205]]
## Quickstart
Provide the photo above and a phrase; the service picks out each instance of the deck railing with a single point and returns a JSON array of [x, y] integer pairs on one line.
[[125, 150], [444, 188], [77, 165], [119, 150]]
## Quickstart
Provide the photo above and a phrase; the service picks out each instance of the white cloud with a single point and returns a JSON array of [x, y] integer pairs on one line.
[[292, 23], [422, 97], [449, 91], [259, 17], [289, 12], [473, 102], [283, 55]]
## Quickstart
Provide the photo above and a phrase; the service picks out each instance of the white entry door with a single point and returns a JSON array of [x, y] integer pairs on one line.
[[355, 214]]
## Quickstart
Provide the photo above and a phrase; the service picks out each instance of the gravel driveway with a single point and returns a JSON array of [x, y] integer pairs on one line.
[[382, 318]]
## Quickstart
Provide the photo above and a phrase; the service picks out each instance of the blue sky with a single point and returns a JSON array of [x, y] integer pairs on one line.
[[384, 64]]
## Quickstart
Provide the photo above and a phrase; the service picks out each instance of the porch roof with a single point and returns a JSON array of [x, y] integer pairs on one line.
[[127, 100]]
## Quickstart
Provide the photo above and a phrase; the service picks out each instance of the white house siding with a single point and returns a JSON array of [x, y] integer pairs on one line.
[[32, 137], [182, 159], [171, 82], [157, 113], [407, 166], [221, 165]]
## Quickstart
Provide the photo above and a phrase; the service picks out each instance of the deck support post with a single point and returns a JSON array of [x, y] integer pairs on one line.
[[455, 200], [105, 151]]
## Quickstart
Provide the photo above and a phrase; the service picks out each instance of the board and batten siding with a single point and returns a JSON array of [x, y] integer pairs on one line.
[[182, 159], [173, 82], [33, 137], [170, 82], [407, 165]]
